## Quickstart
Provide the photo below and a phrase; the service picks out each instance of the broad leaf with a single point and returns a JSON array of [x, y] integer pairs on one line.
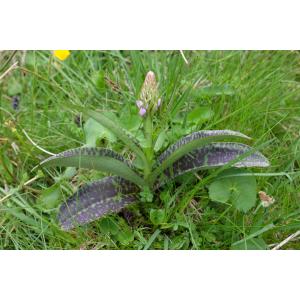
[[216, 155], [50, 197], [200, 115], [104, 160], [157, 216], [94, 131], [95, 200], [118, 131], [190, 143], [240, 191]]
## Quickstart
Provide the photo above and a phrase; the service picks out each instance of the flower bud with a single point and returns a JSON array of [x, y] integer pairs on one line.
[[149, 95]]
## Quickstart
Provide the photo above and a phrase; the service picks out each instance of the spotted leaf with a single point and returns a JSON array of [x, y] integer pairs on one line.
[[189, 143], [95, 200], [216, 155], [95, 158]]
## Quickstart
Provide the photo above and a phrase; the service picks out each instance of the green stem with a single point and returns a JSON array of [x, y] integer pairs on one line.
[[148, 128]]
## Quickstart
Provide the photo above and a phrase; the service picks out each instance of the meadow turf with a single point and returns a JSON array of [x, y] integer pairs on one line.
[[254, 92]]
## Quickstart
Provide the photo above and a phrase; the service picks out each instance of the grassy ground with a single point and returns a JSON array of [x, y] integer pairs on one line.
[[254, 92]]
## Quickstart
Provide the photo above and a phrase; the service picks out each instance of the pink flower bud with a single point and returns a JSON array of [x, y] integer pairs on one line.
[[142, 111], [149, 91]]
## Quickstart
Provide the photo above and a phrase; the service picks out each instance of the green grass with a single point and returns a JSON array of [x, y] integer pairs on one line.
[[254, 92]]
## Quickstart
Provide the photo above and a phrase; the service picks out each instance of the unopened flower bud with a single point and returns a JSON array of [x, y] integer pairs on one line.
[[149, 95]]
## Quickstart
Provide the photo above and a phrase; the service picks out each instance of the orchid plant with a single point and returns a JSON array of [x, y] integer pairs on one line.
[[200, 150]]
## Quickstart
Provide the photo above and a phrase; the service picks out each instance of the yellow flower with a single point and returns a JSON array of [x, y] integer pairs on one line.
[[61, 54]]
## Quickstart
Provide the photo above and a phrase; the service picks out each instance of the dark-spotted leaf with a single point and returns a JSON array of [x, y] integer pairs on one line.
[[216, 155], [240, 191], [95, 200], [95, 158], [189, 143]]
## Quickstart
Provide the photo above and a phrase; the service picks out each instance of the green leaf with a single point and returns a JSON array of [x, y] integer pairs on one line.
[[160, 141], [104, 160], [216, 155], [50, 197], [190, 143], [200, 115], [6, 168], [14, 88], [157, 216], [131, 122], [100, 80], [219, 191], [125, 236], [97, 199], [240, 191], [122, 134], [216, 90], [94, 131], [108, 226]]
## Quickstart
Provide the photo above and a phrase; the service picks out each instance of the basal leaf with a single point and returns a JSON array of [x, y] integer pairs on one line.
[[101, 159], [95, 200], [190, 143], [216, 155], [240, 191]]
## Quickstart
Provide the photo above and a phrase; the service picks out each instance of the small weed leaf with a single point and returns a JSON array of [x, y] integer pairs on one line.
[[125, 236], [118, 131], [200, 115], [50, 197], [108, 226], [95, 200], [94, 131], [157, 216], [160, 141], [240, 191]]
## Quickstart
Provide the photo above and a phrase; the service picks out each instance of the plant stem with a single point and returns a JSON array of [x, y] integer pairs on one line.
[[148, 128]]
